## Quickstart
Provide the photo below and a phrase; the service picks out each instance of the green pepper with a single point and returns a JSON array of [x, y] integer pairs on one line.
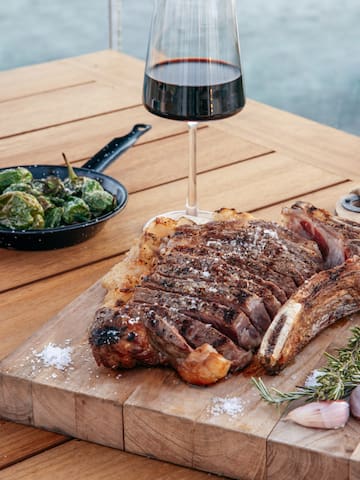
[[23, 187], [45, 202], [58, 201], [99, 202], [51, 186], [20, 211], [73, 184], [76, 211], [90, 185], [53, 217], [14, 175]]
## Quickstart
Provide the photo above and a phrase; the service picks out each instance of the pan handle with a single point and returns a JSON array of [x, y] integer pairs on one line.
[[116, 147]]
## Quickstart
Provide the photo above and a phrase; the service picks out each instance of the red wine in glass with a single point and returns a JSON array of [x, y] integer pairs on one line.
[[194, 99]]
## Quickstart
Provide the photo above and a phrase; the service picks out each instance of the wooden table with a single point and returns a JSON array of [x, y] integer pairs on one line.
[[256, 161]]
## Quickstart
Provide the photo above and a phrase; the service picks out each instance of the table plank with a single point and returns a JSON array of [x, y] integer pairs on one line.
[[117, 69], [83, 138], [44, 77], [303, 139], [235, 187], [84, 461], [166, 160], [18, 442], [61, 106], [108, 66]]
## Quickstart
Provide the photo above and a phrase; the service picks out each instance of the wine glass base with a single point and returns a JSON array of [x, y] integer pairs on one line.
[[203, 216]]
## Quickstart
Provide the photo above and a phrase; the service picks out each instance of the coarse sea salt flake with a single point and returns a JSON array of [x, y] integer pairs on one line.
[[55, 356], [312, 378], [205, 274], [231, 406]]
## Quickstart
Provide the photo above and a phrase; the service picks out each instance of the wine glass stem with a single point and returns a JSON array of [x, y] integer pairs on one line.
[[191, 201]]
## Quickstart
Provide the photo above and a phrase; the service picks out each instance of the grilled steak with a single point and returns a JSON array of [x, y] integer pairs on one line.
[[321, 301], [206, 296]]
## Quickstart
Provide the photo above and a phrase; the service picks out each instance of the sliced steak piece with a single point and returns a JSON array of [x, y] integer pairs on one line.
[[197, 333], [202, 366], [321, 301], [260, 230], [260, 266], [235, 324], [338, 239], [208, 268], [236, 298], [119, 339], [305, 251], [259, 238]]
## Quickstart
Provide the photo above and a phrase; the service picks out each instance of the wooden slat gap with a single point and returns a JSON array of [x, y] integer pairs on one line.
[[309, 192], [69, 122], [51, 90]]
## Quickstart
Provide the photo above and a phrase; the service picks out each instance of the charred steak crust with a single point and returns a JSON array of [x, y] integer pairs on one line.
[[119, 339]]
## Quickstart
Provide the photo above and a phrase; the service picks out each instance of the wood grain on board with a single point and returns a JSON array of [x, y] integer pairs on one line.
[[153, 413], [355, 464]]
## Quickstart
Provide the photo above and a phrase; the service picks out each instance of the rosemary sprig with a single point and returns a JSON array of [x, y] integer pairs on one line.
[[334, 381]]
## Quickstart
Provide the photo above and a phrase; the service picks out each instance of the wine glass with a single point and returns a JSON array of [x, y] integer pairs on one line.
[[193, 72]]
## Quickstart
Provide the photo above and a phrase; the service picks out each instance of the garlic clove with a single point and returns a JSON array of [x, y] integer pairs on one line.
[[355, 402], [326, 414]]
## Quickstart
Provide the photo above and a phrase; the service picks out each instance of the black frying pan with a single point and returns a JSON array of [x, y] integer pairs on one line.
[[51, 238]]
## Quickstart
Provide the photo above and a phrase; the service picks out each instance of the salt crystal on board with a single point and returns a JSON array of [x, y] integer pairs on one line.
[[312, 379], [55, 356], [231, 406]]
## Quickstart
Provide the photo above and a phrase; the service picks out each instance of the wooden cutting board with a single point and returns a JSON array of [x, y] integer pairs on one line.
[[152, 412]]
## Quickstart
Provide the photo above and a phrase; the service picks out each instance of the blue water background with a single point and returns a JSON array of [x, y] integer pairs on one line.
[[303, 57]]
